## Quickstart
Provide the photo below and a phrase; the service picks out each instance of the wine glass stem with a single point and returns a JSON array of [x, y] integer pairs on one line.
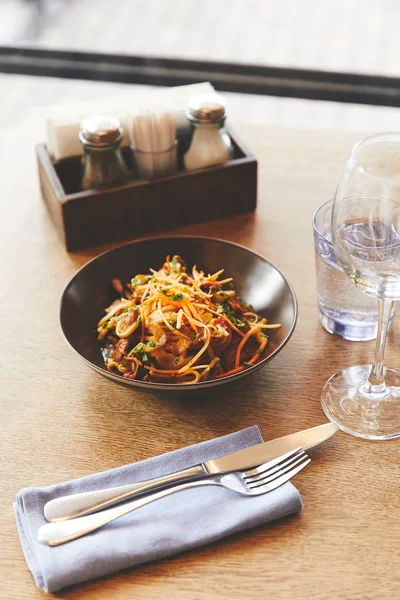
[[376, 381]]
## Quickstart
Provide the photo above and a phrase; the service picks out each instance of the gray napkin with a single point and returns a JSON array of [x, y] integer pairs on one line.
[[168, 526]]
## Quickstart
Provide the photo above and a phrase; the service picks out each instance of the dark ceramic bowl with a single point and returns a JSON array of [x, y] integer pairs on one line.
[[256, 281]]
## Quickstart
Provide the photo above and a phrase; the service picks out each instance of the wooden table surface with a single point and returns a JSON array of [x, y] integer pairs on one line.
[[60, 420]]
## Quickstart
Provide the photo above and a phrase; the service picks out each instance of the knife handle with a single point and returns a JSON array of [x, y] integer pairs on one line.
[[78, 505], [60, 532]]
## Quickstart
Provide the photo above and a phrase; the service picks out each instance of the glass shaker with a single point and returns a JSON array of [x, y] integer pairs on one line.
[[103, 163], [211, 144]]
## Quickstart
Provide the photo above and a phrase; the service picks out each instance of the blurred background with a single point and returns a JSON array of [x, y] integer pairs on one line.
[[351, 36]]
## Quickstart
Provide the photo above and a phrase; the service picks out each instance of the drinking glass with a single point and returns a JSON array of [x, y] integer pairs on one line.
[[365, 400], [343, 309]]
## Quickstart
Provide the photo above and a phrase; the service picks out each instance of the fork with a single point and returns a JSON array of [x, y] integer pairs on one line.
[[253, 482]]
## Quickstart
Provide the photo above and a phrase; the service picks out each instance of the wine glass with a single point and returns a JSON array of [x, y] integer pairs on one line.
[[365, 400]]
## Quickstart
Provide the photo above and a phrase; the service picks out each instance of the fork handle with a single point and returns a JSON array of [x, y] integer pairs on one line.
[[54, 534], [78, 505]]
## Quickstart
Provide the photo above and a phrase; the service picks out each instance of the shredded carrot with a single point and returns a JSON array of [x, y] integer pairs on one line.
[[251, 332], [175, 331], [143, 326], [257, 355], [232, 372]]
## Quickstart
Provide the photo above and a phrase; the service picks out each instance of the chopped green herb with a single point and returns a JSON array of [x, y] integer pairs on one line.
[[125, 310], [231, 285], [177, 297], [149, 278], [140, 353], [228, 311], [239, 323], [124, 363], [109, 322], [151, 344], [139, 320], [220, 309]]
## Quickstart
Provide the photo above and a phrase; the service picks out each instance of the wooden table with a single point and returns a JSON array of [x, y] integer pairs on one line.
[[60, 420]]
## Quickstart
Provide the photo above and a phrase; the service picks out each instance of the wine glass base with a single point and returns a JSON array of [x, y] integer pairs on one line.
[[344, 403]]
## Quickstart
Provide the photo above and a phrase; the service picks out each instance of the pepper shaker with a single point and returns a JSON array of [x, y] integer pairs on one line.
[[103, 163]]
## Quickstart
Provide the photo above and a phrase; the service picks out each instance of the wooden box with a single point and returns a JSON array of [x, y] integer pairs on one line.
[[139, 207]]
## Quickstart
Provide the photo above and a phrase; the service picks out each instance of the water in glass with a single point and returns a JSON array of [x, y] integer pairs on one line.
[[343, 309]]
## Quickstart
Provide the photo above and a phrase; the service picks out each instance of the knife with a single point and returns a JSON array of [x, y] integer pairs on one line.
[[77, 505]]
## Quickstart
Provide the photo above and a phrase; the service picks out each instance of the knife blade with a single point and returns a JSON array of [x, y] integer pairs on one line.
[[77, 505], [261, 453]]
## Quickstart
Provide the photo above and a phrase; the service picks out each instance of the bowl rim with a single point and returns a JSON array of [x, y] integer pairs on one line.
[[179, 386]]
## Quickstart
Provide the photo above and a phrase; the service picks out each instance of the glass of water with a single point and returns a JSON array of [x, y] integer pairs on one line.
[[343, 309], [365, 400]]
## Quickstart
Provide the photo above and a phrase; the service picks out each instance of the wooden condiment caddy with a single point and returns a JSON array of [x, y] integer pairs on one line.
[[139, 207]]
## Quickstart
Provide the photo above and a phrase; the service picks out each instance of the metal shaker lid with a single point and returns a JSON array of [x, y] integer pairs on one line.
[[100, 131], [206, 108]]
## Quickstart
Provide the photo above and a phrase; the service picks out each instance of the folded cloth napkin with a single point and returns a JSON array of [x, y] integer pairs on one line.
[[168, 526]]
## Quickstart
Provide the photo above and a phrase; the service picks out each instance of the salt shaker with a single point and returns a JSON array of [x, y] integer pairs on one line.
[[211, 144], [103, 163]]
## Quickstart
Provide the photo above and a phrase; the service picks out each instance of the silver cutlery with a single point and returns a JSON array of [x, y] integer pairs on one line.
[[253, 482], [78, 505]]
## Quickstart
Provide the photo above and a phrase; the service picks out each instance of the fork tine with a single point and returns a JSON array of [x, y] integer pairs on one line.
[[271, 463], [267, 478], [291, 470], [267, 469], [280, 480], [274, 472]]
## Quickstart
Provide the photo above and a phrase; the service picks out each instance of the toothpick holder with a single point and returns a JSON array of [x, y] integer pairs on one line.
[[153, 165]]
